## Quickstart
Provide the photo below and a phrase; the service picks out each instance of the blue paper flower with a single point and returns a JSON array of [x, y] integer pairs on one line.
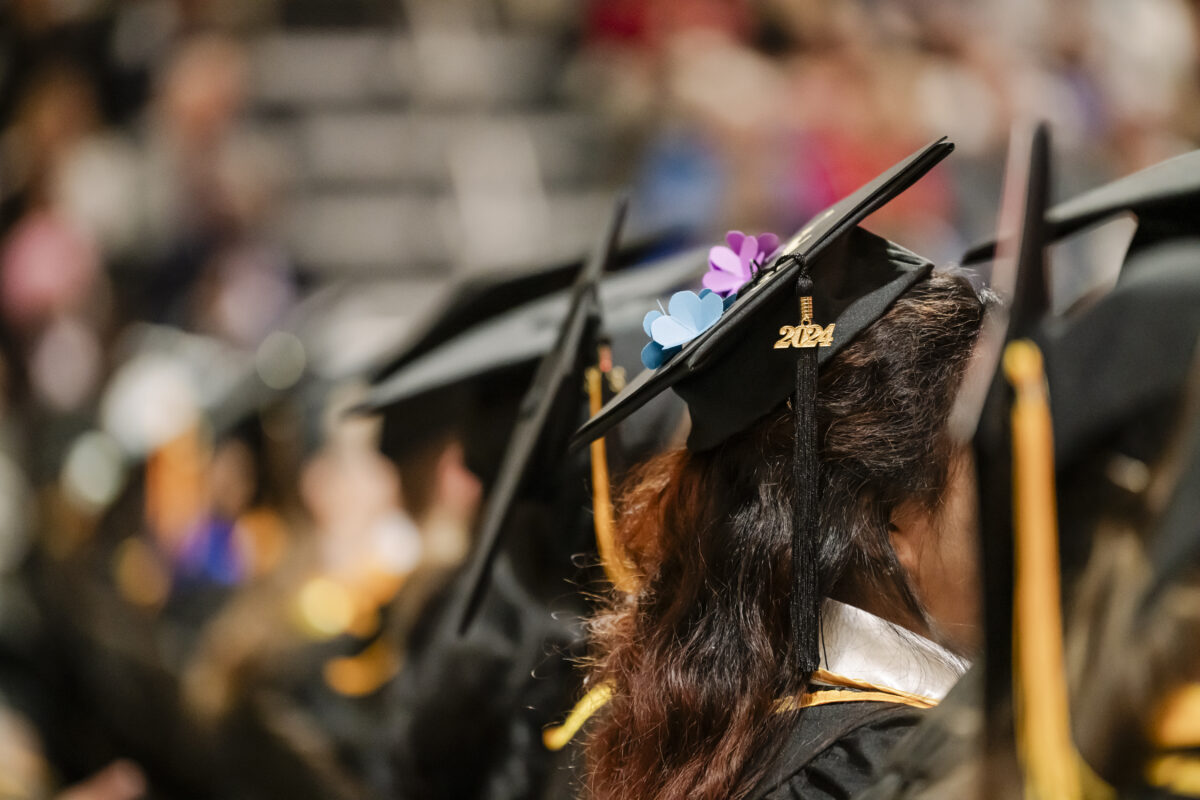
[[688, 315]]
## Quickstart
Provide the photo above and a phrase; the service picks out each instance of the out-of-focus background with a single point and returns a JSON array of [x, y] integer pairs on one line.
[[217, 217]]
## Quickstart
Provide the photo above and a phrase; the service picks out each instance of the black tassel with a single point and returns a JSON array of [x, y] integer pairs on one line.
[[806, 593]]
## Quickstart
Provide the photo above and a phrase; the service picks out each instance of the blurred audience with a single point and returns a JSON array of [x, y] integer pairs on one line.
[[263, 570], [714, 95]]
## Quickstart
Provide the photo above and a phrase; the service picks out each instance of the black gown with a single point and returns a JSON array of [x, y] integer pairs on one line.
[[835, 751]]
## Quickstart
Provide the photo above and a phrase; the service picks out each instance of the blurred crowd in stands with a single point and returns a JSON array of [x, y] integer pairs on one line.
[[268, 181], [146, 158]]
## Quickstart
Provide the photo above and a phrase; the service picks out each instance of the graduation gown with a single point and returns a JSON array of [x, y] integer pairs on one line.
[[835, 751], [874, 683]]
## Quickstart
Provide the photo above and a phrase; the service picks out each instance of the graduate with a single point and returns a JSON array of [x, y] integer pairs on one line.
[[491, 658], [1088, 450], [1126, 430], [802, 568]]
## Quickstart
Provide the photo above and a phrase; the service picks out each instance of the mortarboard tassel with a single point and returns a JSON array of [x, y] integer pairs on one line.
[[618, 572], [806, 594], [1052, 765]]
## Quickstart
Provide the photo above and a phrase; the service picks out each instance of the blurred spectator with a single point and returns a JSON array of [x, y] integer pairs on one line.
[[722, 93], [208, 195]]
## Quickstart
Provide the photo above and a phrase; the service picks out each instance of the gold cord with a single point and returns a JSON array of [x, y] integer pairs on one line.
[[1043, 718], [614, 566], [557, 737]]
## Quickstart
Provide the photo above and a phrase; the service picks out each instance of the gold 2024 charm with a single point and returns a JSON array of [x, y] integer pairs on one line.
[[806, 334]]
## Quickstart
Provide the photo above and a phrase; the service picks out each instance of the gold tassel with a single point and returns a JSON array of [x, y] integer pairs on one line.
[[557, 737], [1051, 762], [615, 568]]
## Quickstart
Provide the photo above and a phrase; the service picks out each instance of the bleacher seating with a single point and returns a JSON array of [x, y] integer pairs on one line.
[[428, 151]]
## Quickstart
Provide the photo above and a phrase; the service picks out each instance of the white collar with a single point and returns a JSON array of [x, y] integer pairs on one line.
[[862, 646]]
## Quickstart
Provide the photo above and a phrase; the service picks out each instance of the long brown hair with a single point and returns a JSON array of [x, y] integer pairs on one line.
[[700, 656]]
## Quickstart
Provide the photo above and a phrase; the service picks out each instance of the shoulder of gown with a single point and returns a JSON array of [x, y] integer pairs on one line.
[[835, 751]]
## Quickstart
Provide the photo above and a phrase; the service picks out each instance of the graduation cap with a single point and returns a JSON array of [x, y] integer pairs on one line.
[[469, 362], [479, 299], [475, 380], [981, 412], [1018, 521], [558, 375], [1120, 403], [1111, 395], [1117, 373], [1075, 395], [493, 628], [1165, 198], [1122, 378], [765, 345], [531, 330], [1148, 326]]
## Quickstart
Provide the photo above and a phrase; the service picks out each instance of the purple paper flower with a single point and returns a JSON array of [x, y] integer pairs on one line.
[[730, 268], [688, 315]]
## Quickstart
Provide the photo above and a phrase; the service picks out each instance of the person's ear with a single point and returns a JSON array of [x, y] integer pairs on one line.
[[910, 528]]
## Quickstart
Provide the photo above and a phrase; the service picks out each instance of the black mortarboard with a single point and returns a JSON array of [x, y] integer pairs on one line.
[[555, 388], [479, 299], [472, 382], [981, 414], [732, 374], [767, 343], [439, 380], [1117, 373], [1127, 354], [1122, 379], [1165, 197], [1096, 393], [529, 331]]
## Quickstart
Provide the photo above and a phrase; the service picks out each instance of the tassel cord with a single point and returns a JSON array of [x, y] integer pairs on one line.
[[806, 591]]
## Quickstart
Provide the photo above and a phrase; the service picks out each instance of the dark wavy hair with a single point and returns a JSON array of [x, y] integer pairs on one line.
[[699, 657]]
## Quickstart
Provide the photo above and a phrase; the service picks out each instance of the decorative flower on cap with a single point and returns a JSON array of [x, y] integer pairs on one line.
[[688, 315], [730, 268]]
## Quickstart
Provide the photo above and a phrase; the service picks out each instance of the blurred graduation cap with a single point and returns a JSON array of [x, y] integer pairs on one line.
[[1015, 476], [494, 624], [425, 392], [1120, 374], [1165, 198], [550, 408], [981, 413], [1128, 355], [528, 332], [1123, 381], [1079, 403], [479, 299], [1116, 370], [736, 360], [474, 380], [1114, 391]]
